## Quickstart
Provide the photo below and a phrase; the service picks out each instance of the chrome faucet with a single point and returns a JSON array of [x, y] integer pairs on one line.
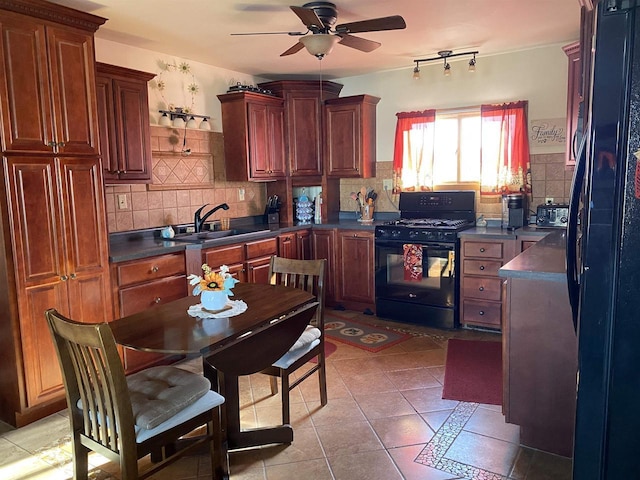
[[199, 221]]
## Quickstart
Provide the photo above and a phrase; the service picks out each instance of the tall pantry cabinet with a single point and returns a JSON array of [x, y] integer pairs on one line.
[[53, 234]]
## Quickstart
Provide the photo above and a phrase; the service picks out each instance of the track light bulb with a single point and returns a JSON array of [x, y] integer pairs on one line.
[[447, 70], [472, 64], [416, 72]]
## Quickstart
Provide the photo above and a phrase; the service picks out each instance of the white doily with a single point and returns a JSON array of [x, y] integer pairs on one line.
[[237, 307]]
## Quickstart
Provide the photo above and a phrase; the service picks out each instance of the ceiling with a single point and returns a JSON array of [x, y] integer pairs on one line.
[[199, 30]]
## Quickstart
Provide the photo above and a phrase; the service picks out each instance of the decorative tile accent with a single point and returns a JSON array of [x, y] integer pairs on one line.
[[433, 454]]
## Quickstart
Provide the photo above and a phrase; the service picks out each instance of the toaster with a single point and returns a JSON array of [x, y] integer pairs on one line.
[[553, 215]]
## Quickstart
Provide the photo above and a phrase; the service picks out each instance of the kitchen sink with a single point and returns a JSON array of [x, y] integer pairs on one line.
[[202, 237]]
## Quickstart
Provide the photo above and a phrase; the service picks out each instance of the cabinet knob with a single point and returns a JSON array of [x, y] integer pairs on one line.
[[61, 144], [157, 300], [64, 278], [154, 269], [481, 313], [73, 276], [51, 144], [482, 250], [481, 289], [481, 267]]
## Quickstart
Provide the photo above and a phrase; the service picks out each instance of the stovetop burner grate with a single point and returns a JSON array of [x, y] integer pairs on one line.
[[429, 223]]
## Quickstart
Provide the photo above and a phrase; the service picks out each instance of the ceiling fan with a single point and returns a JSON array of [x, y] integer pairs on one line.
[[320, 19]]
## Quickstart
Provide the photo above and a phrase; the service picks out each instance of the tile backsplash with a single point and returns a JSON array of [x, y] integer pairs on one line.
[[183, 183]]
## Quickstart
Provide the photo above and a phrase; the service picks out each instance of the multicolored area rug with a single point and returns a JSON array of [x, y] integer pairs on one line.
[[361, 335]]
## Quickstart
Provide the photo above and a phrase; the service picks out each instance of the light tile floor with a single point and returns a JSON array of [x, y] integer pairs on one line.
[[385, 420]]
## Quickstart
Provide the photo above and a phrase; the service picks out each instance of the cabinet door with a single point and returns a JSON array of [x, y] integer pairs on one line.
[[132, 129], [356, 267], [343, 140], [323, 242], [266, 146], [258, 270], [73, 89], [303, 239], [26, 108], [86, 246], [574, 85], [287, 246], [303, 134], [107, 126]]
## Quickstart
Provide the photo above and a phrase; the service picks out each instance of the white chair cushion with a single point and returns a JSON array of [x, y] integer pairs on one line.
[[208, 401], [309, 335], [159, 393], [292, 355]]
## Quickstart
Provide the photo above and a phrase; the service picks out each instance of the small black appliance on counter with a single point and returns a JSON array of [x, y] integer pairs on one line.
[[513, 210]]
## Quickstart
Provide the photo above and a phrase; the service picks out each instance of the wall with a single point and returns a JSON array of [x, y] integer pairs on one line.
[[537, 75]]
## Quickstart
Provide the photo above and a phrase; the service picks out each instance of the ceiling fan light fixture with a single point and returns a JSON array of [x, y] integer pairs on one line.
[[319, 44]]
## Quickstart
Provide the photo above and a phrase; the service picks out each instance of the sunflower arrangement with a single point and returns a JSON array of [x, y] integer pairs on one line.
[[221, 281]]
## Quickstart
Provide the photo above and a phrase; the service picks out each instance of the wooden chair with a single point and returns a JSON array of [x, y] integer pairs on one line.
[[307, 275], [126, 418]]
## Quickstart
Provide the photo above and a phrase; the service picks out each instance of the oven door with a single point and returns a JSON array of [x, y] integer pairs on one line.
[[403, 277]]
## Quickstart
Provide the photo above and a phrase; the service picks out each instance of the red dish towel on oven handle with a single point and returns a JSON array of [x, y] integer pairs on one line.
[[412, 259]]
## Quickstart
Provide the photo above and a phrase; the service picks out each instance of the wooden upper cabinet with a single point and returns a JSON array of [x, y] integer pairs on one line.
[[253, 128], [123, 117], [303, 101], [350, 142], [48, 88]]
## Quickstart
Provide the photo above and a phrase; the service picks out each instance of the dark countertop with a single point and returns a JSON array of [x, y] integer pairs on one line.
[[543, 261], [488, 232], [126, 246]]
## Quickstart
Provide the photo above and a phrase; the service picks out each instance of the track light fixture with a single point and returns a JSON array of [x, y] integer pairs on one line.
[[445, 55]]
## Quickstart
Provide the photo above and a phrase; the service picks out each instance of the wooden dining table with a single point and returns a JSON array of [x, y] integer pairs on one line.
[[230, 347]]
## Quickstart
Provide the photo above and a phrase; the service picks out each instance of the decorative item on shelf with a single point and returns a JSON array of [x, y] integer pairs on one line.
[[365, 200], [304, 209], [214, 288], [180, 118], [444, 55], [241, 87]]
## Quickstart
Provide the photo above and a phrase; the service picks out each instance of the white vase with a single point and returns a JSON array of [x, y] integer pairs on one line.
[[213, 300]]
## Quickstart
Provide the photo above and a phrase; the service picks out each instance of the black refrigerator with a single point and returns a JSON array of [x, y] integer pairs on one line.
[[603, 254]]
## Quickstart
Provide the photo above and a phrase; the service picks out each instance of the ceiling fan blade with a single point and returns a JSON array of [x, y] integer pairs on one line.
[[294, 49], [358, 43], [395, 22], [309, 17], [293, 34]]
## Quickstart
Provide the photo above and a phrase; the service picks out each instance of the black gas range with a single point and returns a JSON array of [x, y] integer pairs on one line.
[[417, 276]]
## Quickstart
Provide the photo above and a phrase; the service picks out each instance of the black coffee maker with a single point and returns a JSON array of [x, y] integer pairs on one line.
[[513, 210]]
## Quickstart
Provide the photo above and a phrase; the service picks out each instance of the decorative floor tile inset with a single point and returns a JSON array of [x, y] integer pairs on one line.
[[433, 454]]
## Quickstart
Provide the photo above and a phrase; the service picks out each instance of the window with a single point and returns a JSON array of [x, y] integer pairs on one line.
[[486, 146]]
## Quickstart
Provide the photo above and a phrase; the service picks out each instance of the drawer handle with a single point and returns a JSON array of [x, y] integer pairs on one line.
[[154, 269], [481, 289], [157, 300], [481, 313], [481, 267], [482, 250]]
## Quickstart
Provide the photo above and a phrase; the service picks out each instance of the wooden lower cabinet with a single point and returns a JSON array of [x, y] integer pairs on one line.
[[356, 270], [323, 242], [248, 262], [295, 245], [480, 288], [143, 284]]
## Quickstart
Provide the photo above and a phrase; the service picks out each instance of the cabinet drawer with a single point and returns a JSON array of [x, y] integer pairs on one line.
[[483, 249], [482, 313], [140, 297], [150, 269], [215, 257], [482, 288], [262, 248], [481, 267]]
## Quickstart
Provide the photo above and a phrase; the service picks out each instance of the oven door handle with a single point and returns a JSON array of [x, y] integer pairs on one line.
[[397, 243]]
